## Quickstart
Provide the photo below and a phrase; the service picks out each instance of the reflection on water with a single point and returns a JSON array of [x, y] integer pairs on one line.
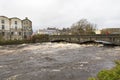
[[55, 61]]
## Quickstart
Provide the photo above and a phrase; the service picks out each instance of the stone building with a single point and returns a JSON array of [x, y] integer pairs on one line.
[[4, 27], [15, 28], [49, 31], [110, 31], [27, 28]]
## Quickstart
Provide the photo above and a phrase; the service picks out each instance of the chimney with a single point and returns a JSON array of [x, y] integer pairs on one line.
[[26, 17]]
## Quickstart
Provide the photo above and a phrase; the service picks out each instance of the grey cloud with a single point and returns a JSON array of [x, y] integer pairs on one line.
[[63, 13]]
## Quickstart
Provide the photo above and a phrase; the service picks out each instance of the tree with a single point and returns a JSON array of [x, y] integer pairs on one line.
[[83, 27]]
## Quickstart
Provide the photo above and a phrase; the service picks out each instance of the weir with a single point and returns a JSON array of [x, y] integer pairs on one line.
[[103, 38]]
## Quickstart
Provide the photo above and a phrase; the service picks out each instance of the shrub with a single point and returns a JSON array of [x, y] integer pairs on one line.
[[34, 39], [40, 38], [112, 74]]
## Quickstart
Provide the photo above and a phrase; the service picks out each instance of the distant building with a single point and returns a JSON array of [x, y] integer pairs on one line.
[[98, 32], [54, 31], [110, 31], [15, 28], [49, 31], [65, 31]]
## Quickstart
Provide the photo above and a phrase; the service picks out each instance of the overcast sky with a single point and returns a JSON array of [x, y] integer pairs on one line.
[[63, 13]]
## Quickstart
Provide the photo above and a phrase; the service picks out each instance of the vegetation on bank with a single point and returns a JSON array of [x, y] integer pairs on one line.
[[112, 74], [40, 38], [33, 39]]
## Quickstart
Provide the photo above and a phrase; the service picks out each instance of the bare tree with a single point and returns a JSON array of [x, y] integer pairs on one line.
[[83, 27]]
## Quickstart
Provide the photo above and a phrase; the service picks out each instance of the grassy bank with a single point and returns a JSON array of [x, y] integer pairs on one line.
[[112, 74]]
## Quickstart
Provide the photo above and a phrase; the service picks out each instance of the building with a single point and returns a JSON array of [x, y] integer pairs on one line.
[[66, 31], [110, 31], [49, 31], [54, 31], [27, 28], [97, 31], [15, 28]]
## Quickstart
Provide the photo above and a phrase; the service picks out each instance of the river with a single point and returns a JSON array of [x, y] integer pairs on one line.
[[55, 61]]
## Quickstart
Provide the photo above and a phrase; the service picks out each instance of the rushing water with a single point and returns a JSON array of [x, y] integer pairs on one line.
[[55, 61]]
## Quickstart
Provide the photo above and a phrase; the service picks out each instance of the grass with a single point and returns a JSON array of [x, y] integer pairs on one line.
[[112, 74]]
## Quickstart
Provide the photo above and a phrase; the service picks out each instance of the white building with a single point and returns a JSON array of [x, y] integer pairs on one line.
[[49, 31], [98, 32], [16, 28], [13, 28], [4, 27]]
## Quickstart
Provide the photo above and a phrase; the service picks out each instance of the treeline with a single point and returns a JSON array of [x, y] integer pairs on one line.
[[82, 27]]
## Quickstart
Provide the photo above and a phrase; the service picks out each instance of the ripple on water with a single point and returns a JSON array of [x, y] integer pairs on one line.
[[56, 58]]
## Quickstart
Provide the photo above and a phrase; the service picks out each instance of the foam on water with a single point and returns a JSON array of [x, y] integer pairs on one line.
[[55, 59]]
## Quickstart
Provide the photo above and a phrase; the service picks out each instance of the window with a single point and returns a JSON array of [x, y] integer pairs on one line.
[[2, 21], [24, 33], [12, 33], [15, 22], [3, 33], [3, 27], [26, 22], [19, 33], [30, 28], [15, 27], [16, 33]]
